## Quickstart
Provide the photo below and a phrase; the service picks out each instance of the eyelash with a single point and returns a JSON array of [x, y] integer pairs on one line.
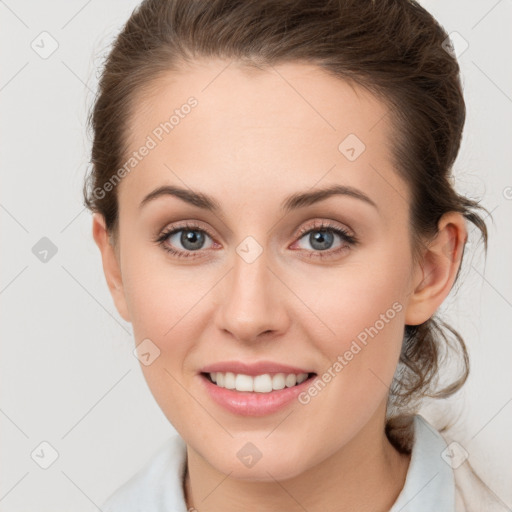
[[350, 240]]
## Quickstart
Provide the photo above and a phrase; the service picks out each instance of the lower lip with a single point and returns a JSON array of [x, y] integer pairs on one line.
[[246, 403]]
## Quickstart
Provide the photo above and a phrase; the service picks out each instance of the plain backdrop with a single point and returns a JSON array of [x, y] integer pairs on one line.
[[68, 374]]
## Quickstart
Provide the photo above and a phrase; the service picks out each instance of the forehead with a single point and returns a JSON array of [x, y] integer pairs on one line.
[[273, 131]]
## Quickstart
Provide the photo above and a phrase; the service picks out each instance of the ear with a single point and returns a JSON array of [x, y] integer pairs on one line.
[[111, 266], [436, 272]]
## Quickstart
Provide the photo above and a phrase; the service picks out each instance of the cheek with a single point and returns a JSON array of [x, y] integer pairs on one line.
[[359, 297], [158, 296], [361, 357], [164, 308], [363, 309]]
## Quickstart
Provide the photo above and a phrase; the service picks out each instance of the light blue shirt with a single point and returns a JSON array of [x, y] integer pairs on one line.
[[157, 487]]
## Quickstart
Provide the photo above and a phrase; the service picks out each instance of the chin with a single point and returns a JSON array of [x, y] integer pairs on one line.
[[268, 468]]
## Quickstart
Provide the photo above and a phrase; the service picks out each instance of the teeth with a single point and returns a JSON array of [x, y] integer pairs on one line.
[[229, 380], [244, 383], [260, 383], [291, 380]]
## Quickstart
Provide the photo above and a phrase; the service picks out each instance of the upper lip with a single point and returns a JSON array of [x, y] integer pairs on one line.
[[258, 368]]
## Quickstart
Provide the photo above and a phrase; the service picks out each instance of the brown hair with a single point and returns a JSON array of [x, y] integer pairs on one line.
[[393, 48]]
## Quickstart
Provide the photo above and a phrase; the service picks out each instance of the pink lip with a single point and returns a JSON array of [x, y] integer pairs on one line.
[[252, 369], [245, 403]]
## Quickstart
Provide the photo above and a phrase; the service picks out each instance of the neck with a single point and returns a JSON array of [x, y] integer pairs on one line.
[[366, 475]]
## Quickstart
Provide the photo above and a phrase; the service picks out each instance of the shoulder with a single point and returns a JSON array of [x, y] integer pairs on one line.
[[440, 476], [472, 494], [157, 486]]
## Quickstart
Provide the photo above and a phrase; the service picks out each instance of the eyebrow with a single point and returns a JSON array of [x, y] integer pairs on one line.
[[293, 202]]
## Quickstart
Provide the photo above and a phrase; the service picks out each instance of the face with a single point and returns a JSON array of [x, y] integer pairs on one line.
[[260, 284]]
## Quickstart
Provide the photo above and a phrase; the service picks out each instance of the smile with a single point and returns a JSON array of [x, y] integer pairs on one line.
[[259, 394]]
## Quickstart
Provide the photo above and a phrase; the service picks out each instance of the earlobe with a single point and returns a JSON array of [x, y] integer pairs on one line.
[[111, 264], [436, 273]]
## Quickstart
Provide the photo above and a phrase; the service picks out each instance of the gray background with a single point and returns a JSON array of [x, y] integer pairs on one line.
[[68, 375]]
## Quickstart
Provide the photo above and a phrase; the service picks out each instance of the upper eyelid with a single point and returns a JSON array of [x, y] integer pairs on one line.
[[323, 224]]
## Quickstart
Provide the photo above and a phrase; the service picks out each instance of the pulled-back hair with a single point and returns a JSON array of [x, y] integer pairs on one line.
[[393, 48]]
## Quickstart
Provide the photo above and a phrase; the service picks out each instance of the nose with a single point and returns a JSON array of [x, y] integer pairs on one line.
[[252, 302]]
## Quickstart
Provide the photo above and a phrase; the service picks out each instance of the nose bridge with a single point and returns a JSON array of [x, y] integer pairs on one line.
[[250, 304], [250, 272]]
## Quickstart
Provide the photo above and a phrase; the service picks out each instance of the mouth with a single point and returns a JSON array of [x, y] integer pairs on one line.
[[262, 383], [259, 394]]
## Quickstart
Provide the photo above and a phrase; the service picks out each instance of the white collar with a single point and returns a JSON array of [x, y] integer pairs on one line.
[[429, 484], [158, 486]]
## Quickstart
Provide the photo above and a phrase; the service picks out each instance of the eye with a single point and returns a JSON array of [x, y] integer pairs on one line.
[[191, 237], [321, 237]]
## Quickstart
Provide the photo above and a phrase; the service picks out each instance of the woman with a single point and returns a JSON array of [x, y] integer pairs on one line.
[[273, 203]]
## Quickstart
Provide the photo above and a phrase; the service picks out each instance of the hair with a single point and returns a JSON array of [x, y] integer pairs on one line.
[[394, 49]]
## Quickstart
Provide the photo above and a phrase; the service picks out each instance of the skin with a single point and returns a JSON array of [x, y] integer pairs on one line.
[[254, 138]]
